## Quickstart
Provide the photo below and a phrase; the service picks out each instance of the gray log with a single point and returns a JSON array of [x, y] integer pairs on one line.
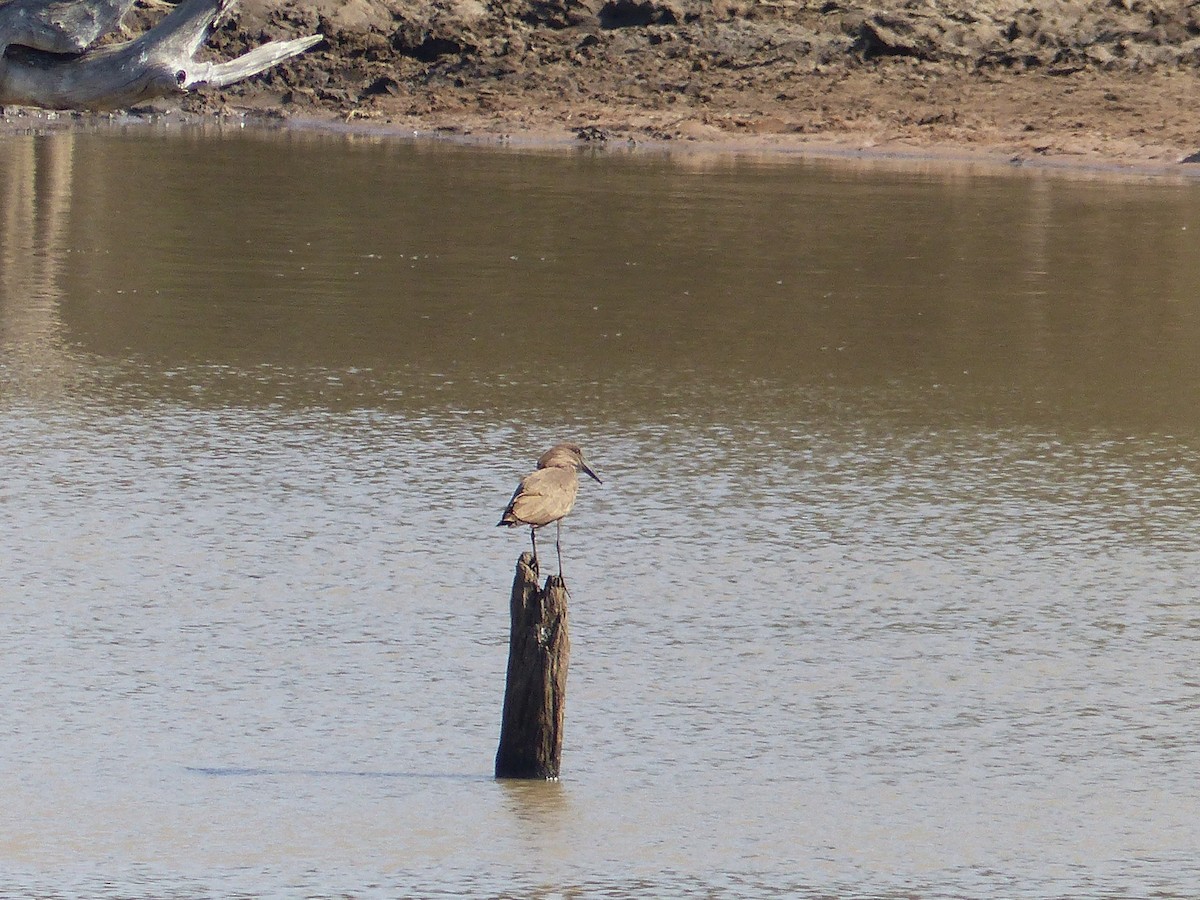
[[60, 26], [45, 60], [535, 694]]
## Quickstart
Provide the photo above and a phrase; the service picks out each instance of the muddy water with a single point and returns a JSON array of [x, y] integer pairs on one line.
[[890, 589]]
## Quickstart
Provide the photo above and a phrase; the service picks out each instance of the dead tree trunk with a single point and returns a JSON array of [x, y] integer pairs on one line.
[[535, 694], [48, 56]]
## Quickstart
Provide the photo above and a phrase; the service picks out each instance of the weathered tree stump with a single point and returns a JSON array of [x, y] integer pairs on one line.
[[51, 55], [535, 693]]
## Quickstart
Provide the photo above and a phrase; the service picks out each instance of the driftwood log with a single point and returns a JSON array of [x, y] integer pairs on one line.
[[535, 693], [49, 55]]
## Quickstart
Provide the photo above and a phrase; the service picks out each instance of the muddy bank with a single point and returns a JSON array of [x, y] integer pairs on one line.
[[1111, 79]]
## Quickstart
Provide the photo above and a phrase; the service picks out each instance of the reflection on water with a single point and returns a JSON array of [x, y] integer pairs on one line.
[[36, 196], [888, 591]]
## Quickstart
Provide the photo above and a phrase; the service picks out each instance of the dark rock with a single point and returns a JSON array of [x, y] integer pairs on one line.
[[592, 134], [892, 34], [636, 14], [384, 84], [421, 44]]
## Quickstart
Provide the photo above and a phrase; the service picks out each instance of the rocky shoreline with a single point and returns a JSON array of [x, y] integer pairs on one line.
[[1110, 81]]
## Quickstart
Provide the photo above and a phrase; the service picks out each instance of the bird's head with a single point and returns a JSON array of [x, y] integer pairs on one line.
[[568, 456]]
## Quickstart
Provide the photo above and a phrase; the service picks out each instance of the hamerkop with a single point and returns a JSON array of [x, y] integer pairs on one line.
[[547, 494]]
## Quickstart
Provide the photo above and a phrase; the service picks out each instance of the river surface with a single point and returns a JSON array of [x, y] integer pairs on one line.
[[890, 589]]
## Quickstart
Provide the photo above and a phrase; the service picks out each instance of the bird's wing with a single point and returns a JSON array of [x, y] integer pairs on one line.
[[544, 496], [527, 492], [508, 518]]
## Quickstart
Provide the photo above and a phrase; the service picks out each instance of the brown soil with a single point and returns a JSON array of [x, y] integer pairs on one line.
[[1100, 81]]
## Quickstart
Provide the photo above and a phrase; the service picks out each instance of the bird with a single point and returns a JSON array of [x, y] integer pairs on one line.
[[547, 494]]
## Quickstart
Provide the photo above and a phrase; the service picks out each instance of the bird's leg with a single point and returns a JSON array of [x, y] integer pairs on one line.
[[558, 545], [533, 540]]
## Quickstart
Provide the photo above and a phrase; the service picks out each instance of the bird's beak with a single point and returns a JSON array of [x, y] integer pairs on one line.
[[583, 466]]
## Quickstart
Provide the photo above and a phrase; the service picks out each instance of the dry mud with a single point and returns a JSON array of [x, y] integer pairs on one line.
[[1111, 80]]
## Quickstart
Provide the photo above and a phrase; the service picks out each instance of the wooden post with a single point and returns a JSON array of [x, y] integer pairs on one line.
[[535, 692]]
